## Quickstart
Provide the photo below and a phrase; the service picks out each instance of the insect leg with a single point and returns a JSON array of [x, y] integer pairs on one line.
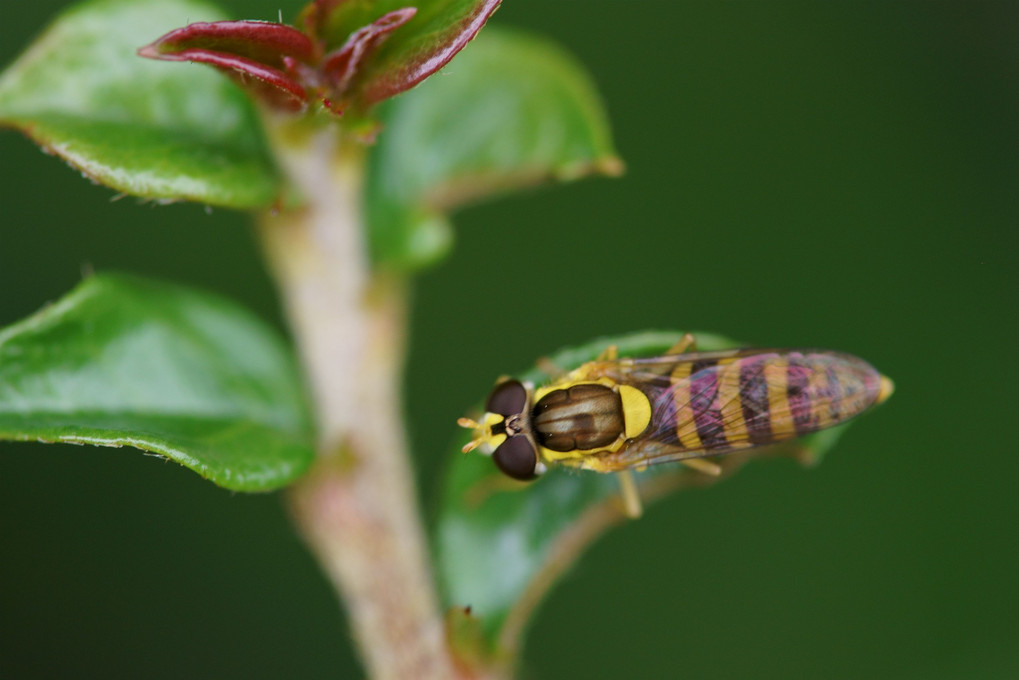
[[610, 353], [631, 495], [687, 343], [703, 466], [550, 368]]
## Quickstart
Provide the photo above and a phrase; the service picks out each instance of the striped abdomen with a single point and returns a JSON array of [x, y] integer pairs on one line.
[[719, 401]]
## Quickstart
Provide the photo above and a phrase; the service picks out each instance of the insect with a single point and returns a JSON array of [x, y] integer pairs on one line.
[[618, 414]]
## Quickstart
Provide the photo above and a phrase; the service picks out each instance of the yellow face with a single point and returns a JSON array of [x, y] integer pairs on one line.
[[484, 440], [505, 431]]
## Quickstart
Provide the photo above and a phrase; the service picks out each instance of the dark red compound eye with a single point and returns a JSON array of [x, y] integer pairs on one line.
[[517, 458], [507, 399]]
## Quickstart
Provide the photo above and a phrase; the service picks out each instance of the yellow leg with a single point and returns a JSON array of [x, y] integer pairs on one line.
[[631, 495], [610, 353], [704, 466], [687, 343], [550, 368]]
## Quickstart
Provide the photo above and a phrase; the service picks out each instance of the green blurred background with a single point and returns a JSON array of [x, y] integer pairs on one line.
[[811, 174]]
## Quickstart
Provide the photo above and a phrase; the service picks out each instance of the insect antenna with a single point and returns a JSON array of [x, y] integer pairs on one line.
[[470, 425]]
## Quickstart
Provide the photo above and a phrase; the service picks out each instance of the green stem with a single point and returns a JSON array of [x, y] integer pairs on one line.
[[358, 508]]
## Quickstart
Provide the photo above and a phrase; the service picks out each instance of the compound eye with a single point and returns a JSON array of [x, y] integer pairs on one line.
[[507, 399], [517, 458]]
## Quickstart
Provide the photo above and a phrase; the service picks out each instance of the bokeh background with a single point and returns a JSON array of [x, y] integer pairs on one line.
[[837, 175]]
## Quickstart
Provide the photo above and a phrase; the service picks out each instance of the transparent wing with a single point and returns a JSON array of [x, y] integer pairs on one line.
[[710, 403]]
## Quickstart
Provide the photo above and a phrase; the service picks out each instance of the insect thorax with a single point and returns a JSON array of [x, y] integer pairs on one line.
[[588, 417], [579, 417]]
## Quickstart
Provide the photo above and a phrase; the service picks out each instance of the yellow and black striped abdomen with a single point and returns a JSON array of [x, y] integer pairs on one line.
[[715, 402]]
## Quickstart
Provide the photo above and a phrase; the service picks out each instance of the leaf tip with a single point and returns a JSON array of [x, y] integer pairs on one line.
[[609, 166], [612, 166], [150, 51]]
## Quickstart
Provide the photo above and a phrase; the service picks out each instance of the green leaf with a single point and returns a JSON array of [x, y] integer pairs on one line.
[[157, 130], [125, 362], [511, 111], [501, 544]]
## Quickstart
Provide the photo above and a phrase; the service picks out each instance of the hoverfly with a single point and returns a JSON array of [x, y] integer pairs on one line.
[[618, 414]]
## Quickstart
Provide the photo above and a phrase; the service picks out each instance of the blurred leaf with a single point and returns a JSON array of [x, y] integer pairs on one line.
[[512, 111], [159, 131], [501, 544], [125, 362]]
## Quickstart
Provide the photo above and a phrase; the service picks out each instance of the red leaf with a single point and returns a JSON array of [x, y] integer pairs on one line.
[[341, 65], [263, 41], [403, 64], [287, 68], [261, 55]]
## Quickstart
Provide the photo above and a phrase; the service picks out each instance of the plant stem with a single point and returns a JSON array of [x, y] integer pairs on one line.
[[358, 508]]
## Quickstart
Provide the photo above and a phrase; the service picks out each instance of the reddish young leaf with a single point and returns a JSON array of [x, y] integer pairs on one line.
[[287, 68], [437, 33], [340, 66], [257, 40], [261, 55]]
